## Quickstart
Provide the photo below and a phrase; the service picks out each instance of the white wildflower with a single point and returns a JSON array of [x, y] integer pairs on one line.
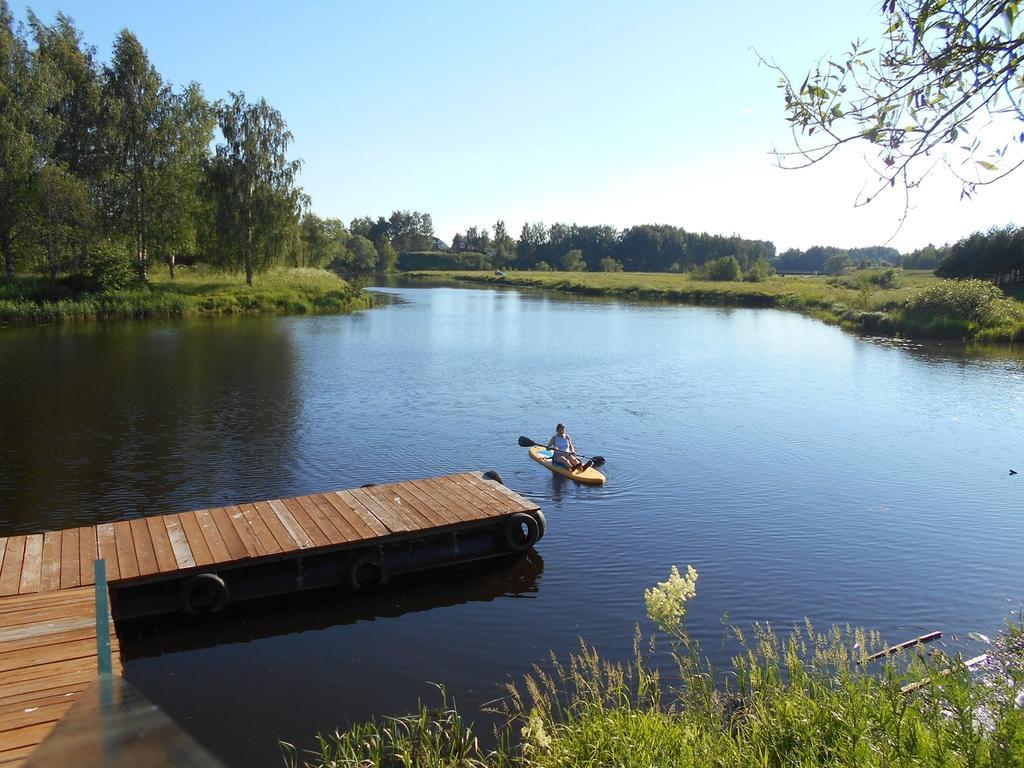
[[534, 733], [666, 602]]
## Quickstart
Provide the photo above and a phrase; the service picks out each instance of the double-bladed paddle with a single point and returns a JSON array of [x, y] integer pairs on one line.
[[595, 461]]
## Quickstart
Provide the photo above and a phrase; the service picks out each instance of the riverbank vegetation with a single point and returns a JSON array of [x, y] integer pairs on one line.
[[912, 304], [804, 698], [194, 291], [109, 170]]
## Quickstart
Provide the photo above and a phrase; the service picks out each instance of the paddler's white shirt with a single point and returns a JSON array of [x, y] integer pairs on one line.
[[560, 443]]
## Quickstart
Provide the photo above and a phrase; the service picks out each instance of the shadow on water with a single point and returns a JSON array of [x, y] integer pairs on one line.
[[123, 420], [483, 581]]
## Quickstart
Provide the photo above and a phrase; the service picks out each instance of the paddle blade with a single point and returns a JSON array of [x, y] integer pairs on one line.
[[525, 442], [597, 461]]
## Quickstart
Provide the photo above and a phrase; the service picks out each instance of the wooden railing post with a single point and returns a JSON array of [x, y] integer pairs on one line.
[[102, 620]]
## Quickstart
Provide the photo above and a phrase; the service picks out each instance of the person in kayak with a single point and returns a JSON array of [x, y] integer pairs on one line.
[[564, 452]]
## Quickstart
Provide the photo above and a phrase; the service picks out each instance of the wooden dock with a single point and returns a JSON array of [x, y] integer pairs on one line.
[[199, 561], [302, 535], [47, 659]]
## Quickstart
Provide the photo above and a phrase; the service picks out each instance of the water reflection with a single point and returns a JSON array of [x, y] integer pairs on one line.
[[129, 419], [941, 352], [325, 608]]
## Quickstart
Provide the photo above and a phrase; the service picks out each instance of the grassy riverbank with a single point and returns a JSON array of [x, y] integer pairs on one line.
[[806, 699], [912, 304], [198, 291]]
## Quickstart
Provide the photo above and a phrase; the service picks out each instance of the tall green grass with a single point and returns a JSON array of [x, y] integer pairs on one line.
[[194, 291], [802, 698], [436, 737]]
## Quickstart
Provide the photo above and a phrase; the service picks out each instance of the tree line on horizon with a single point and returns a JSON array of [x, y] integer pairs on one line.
[[108, 169], [996, 255]]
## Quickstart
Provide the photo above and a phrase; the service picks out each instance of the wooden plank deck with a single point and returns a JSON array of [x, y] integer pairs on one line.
[[47, 658], [48, 643], [150, 546]]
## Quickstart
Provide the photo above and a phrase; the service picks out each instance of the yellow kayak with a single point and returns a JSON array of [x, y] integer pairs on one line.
[[588, 476]]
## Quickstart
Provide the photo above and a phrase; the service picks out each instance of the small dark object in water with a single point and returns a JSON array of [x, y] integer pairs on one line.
[[1013, 471]]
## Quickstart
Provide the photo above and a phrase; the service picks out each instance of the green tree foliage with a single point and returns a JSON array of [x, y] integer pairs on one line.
[[915, 96], [875, 255], [180, 210], [254, 183], [111, 155], [321, 242], [410, 231], [504, 245], [815, 257], [727, 268], [594, 243], [136, 136], [597, 243], [759, 271], [387, 256], [28, 88], [478, 240], [63, 211], [76, 114], [573, 261], [923, 258], [374, 231], [531, 238], [362, 254], [110, 266], [403, 231], [997, 255], [838, 264], [448, 260], [645, 248], [811, 260], [608, 264], [653, 248], [78, 105], [887, 279]]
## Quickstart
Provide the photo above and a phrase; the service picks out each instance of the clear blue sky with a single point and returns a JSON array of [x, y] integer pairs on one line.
[[577, 111]]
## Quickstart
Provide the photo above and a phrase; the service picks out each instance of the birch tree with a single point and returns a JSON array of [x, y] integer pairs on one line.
[[254, 182]]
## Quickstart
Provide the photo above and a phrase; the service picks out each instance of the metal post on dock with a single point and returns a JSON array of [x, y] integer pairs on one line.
[[102, 620]]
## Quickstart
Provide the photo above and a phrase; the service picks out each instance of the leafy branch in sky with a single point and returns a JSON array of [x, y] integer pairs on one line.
[[944, 86]]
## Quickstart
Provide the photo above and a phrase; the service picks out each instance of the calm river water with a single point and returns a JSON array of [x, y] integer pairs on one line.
[[803, 471]]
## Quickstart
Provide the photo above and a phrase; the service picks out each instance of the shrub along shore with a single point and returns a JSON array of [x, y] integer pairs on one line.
[[198, 291], [909, 304]]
